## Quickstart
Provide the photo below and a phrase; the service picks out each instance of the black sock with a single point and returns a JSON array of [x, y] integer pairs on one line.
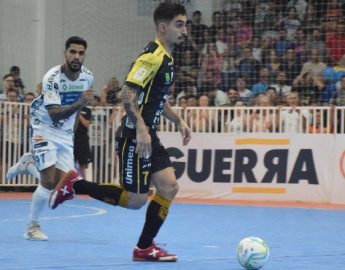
[[155, 216], [108, 194]]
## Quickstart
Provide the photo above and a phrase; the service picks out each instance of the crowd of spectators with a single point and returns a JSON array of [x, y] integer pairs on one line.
[[256, 47]]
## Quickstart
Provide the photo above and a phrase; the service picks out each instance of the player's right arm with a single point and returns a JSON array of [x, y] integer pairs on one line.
[[142, 72], [57, 113], [129, 99]]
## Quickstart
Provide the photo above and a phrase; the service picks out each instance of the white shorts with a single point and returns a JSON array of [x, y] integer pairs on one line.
[[49, 150]]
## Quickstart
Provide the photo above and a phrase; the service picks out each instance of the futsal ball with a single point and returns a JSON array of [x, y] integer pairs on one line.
[[252, 253]]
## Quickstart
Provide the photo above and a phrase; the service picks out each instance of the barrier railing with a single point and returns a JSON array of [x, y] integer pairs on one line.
[[14, 130]]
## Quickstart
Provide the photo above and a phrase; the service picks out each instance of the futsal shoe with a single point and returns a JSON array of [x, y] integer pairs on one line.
[[64, 189], [25, 165], [153, 254], [35, 233]]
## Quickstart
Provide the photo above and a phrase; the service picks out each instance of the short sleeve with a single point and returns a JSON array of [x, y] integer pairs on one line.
[[143, 70], [50, 90]]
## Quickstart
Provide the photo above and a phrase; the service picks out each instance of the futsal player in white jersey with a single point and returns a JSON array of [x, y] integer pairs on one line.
[[66, 90]]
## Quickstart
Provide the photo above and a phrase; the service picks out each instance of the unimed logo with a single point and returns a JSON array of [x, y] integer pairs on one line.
[[241, 164]]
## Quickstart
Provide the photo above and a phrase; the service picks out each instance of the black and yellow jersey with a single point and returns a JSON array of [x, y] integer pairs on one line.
[[152, 76]]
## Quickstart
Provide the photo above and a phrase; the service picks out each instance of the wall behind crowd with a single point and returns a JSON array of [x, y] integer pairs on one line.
[[33, 32]]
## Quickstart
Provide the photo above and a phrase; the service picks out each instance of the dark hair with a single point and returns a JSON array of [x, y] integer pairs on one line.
[[167, 11], [15, 69], [29, 94], [197, 12], [6, 76], [75, 40]]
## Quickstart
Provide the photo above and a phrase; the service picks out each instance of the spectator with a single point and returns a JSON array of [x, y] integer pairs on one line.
[[338, 98], [314, 41], [248, 66], [333, 9], [238, 123], [309, 87], [211, 61], [233, 97], [314, 66], [217, 23], [109, 92], [198, 29], [292, 119], [29, 97], [272, 62], [188, 61], [311, 18], [244, 32], [18, 82], [291, 65], [243, 92], [318, 122], [283, 43], [262, 9], [291, 23], [192, 101], [329, 78], [216, 96], [182, 102], [8, 84], [201, 120], [335, 43], [300, 41], [188, 89], [300, 7], [280, 85], [263, 83], [229, 70], [262, 119], [12, 128], [221, 41], [275, 99]]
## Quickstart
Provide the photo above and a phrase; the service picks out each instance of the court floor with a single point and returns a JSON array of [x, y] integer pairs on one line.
[[85, 234]]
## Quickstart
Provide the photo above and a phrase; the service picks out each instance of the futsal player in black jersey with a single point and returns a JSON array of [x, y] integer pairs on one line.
[[143, 159]]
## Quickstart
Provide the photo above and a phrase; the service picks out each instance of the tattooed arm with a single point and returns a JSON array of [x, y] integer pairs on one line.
[[63, 112], [129, 99]]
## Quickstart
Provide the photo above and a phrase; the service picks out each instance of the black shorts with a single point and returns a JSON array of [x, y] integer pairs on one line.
[[135, 173], [82, 152]]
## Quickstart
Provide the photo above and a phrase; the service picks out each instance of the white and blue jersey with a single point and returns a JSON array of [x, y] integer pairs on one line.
[[58, 90], [52, 141]]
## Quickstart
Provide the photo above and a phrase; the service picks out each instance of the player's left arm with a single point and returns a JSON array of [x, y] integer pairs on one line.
[[179, 122]]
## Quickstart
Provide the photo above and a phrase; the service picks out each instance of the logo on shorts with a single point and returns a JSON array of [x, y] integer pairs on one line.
[[129, 165]]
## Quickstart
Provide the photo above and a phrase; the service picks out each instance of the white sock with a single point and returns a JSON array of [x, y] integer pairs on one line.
[[32, 170], [39, 200]]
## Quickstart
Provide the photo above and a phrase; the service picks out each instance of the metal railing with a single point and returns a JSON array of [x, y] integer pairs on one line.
[[14, 130]]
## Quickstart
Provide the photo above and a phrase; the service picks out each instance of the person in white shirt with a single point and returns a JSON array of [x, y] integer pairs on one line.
[[292, 119]]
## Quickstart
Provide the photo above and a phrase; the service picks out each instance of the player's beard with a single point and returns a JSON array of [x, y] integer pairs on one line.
[[180, 40], [74, 66]]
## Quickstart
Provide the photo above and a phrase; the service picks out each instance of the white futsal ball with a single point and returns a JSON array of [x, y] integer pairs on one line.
[[252, 253]]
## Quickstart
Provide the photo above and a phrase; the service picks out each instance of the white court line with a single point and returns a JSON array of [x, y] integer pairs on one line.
[[98, 212], [208, 246]]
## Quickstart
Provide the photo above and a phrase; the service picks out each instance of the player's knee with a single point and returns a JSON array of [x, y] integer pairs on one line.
[[169, 190], [136, 202], [173, 188]]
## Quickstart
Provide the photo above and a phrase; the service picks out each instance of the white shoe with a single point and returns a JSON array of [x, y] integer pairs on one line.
[[21, 167], [35, 233]]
